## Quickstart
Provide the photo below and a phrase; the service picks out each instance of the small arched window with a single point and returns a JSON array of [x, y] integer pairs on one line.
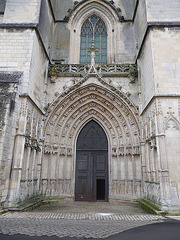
[[93, 29]]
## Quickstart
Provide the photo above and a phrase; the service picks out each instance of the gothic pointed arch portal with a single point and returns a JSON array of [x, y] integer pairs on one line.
[[65, 119], [91, 164]]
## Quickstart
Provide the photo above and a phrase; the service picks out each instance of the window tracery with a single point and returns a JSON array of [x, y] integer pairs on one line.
[[93, 29]]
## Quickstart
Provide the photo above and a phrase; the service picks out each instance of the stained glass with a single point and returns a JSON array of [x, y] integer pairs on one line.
[[93, 29]]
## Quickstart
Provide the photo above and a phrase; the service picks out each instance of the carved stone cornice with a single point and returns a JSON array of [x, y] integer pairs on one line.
[[124, 70]]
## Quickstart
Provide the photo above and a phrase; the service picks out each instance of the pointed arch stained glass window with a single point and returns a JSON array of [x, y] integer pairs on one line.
[[93, 29]]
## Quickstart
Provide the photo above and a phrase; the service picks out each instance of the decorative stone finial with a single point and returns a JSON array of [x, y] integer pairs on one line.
[[93, 50]]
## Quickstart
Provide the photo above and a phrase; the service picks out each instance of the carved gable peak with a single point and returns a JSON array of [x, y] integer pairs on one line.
[[172, 123]]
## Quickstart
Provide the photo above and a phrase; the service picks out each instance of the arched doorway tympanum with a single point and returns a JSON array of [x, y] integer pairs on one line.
[[92, 164]]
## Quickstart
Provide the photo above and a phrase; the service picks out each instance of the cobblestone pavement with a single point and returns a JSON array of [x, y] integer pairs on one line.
[[73, 221], [83, 216], [66, 228]]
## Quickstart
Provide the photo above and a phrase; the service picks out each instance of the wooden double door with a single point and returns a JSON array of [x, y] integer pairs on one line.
[[91, 176], [92, 164]]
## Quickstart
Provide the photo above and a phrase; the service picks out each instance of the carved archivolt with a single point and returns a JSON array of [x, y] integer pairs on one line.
[[69, 114]]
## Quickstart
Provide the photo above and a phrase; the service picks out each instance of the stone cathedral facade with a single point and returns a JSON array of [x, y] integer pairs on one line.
[[90, 101]]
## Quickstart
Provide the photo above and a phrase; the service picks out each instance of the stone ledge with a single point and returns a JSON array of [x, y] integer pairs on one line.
[[10, 77], [36, 202], [63, 199], [28, 205], [2, 211], [150, 207]]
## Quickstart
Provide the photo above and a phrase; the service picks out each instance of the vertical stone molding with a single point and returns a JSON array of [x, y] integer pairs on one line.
[[160, 138], [25, 177]]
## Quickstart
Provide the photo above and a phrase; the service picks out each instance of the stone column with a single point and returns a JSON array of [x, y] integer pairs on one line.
[[16, 171], [161, 157]]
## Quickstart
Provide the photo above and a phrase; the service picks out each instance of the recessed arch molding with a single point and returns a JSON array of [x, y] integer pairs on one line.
[[69, 115], [66, 118]]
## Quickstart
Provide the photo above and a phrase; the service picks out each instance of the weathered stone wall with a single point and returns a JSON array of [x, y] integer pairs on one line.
[[159, 65], [146, 76], [163, 11], [38, 74], [171, 114], [16, 50], [61, 8], [152, 13], [126, 46], [15, 8], [26, 165], [60, 48], [9, 100], [46, 27], [166, 60], [152, 140], [22, 50], [127, 8], [159, 107], [2, 6], [160, 139], [140, 24]]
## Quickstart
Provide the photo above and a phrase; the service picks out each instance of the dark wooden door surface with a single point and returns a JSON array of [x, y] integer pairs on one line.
[[91, 164]]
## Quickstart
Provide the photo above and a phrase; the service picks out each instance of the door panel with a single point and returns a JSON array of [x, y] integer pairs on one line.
[[82, 191], [100, 161], [91, 172], [91, 164], [83, 162], [83, 170]]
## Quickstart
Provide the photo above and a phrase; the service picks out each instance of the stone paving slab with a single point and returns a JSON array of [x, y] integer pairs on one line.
[[124, 207]]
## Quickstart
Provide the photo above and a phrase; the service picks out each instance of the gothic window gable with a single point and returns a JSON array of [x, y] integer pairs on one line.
[[172, 123], [93, 19]]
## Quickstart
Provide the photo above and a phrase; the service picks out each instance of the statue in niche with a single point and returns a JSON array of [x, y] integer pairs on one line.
[[128, 139]]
